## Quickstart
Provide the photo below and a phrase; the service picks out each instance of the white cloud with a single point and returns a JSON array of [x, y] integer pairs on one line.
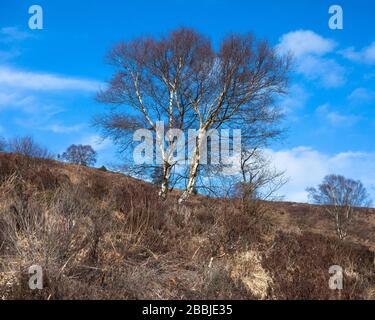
[[309, 51], [295, 99], [361, 95], [37, 116], [7, 98], [44, 81], [35, 107], [323, 109], [57, 128], [6, 55], [8, 34], [351, 54], [327, 71], [96, 142], [19, 100], [336, 118], [32, 96], [305, 42], [306, 167], [365, 55], [339, 119], [10, 38]]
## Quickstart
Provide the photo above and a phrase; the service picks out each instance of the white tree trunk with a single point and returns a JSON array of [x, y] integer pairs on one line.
[[165, 181], [191, 182], [195, 161]]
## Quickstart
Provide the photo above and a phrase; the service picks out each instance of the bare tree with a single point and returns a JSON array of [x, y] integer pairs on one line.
[[28, 147], [235, 89], [80, 154], [340, 196], [149, 79], [260, 181], [256, 179], [181, 80], [255, 182]]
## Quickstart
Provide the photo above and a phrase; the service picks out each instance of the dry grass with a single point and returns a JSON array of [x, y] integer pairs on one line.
[[247, 267], [100, 235]]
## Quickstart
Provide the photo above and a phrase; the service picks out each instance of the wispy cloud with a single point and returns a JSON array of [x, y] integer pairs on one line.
[[26, 102], [38, 115], [364, 55], [44, 81], [327, 71], [339, 119], [58, 128], [7, 99], [295, 99], [9, 34], [97, 142], [336, 118], [309, 51], [361, 95], [10, 38], [34, 99], [18, 100], [6, 55]]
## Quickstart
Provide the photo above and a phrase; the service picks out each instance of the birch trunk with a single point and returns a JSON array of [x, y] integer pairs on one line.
[[165, 181], [193, 171]]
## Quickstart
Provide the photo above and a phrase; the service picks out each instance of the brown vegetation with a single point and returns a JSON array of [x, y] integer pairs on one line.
[[102, 235]]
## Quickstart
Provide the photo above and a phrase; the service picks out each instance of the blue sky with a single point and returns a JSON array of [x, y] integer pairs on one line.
[[48, 78]]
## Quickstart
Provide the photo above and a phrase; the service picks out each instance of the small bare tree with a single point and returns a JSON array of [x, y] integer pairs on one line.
[[80, 154], [28, 147], [256, 181], [340, 196], [259, 179]]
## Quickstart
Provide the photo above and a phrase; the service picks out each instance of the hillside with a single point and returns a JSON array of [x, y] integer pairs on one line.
[[103, 235]]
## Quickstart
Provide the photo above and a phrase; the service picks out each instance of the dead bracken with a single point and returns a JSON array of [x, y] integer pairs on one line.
[[103, 235]]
